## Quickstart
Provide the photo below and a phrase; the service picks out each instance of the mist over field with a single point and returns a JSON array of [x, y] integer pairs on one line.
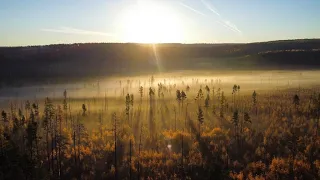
[[115, 111], [89, 70], [97, 87], [159, 90]]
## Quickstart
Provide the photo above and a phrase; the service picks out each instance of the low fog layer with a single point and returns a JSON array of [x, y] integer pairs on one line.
[[249, 81]]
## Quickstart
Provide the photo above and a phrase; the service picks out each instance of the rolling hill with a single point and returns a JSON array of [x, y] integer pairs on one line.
[[75, 61]]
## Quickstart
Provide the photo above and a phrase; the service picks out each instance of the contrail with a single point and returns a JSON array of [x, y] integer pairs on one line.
[[68, 30], [232, 26], [209, 7], [190, 8], [228, 26], [221, 21]]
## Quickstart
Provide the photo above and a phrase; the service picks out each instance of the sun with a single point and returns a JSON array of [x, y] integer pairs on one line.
[[150, 22]]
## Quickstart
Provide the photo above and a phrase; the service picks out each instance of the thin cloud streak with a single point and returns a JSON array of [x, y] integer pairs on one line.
[[230, 25], [233, 26], [210, 7], [192, 9], [226, 25], [221, 21], [68, 30]]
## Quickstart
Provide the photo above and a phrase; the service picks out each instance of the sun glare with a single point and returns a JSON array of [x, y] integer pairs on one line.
[[150, 22]]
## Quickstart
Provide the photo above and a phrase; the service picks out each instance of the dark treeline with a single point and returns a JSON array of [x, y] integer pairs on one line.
[[91, 60]]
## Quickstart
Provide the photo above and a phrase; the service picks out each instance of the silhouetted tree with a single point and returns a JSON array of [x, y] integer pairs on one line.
[[160, 88], [183, 97], [207, 89], [152, 80], [22, 117], [254, 100], [206, 102], [4, 116], [35, 108], [141, 93], [127, 107], [235, 122], [84, 110], [199, 96], [178, 97], [200, 119], [114, 117], [296, 101], [31, 133], [238, 90], [247, 117], [212, 95], [65, 105], [47, 125], [234, 92], [222, 104], [188, 88]]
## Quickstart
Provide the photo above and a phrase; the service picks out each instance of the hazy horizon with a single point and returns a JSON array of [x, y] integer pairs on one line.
[[140, 43]]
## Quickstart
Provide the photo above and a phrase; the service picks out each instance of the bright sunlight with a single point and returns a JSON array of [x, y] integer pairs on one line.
[[150, 22]]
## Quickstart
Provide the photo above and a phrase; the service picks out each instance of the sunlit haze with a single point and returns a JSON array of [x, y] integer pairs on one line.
[[150, 22], [160, 89], [156, 21]]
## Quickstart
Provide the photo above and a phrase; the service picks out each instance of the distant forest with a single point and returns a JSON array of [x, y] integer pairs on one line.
[[76, 61]]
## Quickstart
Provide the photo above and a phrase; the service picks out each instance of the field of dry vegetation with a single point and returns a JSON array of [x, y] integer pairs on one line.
[[163, 129]]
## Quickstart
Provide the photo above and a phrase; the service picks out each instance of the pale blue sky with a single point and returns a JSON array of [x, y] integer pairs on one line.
[[39, 22]]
